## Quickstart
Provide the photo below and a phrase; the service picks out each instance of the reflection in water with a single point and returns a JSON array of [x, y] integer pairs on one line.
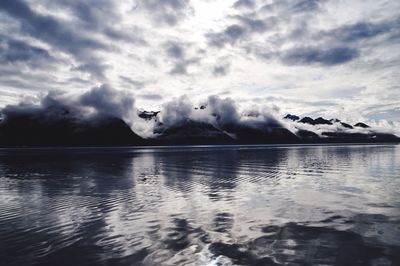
[[245, 205]]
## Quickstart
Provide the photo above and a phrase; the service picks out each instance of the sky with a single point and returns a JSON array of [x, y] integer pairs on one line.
[[308, 57]]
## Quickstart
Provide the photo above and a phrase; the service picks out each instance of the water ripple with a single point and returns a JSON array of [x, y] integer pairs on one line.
[[248, 205]]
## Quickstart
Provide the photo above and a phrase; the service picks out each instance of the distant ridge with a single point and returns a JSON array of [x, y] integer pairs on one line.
[[361, 125], [344, 135]]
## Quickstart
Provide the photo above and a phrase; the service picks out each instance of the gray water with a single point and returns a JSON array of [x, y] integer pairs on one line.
[[246, 205]]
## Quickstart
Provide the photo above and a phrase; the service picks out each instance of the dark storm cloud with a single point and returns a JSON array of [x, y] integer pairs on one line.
[[288, 22], [79, 36], [12, 51], [226, 110], [61, 35], [90, 15], [167, 12], [109, 101], [24, 84], [287, 19], [105, 100], [19, 78], [58, 105], [316, 55], [362, 30], [339, 45], [50, 30], [91, 12]]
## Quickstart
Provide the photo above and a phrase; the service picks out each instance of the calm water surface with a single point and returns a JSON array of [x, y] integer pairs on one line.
[[290, 205]]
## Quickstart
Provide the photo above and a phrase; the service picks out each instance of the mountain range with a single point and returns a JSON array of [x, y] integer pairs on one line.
[[60, 126]]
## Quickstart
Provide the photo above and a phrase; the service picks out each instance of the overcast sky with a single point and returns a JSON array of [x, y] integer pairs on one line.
[[309, 57]]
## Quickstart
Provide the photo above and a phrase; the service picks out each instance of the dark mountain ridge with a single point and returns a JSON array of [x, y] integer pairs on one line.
[[191, 132], [60, 126], [346, 135], [323, 121], [63, 126], [260, 133]]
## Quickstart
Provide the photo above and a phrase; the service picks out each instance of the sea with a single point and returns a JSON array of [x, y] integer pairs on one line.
[[201, 205]]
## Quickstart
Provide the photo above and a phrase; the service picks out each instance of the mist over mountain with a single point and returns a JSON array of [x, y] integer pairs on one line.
[[104, 116], [335, 130], [95, 118]]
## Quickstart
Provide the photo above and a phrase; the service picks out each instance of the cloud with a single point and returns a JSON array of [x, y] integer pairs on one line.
[[224, 110], [220, 112], [12, 51], [90, 12], [233, 33], [95, 69], [221, 70], [150, 96], [102, 100], [256, 25], [362, 30], [230, 35], [315, 55], [89, 16], [177, 54], [98, 102], [181, 67], [239, 4], [174, 50], [59, 34], [245, 26], [106, 100], [215, 111], [136, 83], [293, 6], [166, 12], [287, 25], [176, 111], [50, 30], [331, 47]]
